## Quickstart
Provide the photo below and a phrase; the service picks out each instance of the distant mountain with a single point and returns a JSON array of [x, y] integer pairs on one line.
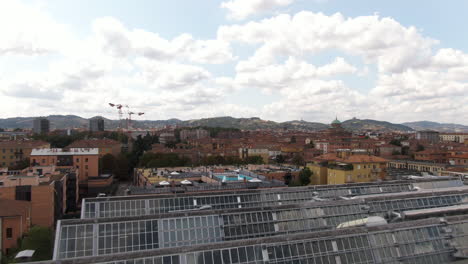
[[253, 123], [374, 125], [441, 127], [72, 121]]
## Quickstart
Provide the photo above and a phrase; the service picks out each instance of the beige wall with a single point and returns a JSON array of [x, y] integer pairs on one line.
[[85, 165]]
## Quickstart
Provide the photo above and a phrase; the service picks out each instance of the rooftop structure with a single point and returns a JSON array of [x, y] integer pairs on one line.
[[433, 240], [151, 204], [64, 152]]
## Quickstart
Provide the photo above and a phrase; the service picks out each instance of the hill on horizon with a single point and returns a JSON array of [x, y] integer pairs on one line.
[[253, 123]]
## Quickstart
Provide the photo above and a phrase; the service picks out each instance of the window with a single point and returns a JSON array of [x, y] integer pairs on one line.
[[9, 233], [77, 160], [23, 193], [43, 160], [86, 166], [86, 159], [359, 167]]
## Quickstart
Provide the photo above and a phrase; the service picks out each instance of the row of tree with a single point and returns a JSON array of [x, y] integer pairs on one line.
[[158, 160], [303, 179]]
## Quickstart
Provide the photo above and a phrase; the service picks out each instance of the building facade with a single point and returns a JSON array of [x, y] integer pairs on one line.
[[104, 146], [13, 151], [41, 125], [337, 169], [84, 160], [428, 135], [50, 191], [15, 220], [96, 124]]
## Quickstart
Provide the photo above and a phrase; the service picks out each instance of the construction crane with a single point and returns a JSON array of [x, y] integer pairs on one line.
[[120, 112]]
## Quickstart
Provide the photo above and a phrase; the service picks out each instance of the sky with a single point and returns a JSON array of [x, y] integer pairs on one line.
[[312, 60]]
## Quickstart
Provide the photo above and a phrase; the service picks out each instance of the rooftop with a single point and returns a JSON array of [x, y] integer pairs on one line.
[[60, 152]]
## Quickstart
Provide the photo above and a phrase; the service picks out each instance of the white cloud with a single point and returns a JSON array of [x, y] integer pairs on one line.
[[415, 79], [270, 77], [28, 30], [241, 9], [166, 75], [116, 40], [377, 40]]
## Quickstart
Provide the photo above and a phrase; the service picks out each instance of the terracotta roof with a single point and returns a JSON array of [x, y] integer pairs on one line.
[[22, 143], [13, 207], [460, 156], [93, 143]]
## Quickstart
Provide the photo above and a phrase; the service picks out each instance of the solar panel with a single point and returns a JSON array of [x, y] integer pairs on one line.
[[423, 241], [136, 206]]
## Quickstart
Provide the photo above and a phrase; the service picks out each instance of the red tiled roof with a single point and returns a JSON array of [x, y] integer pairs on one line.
[[22, 143]]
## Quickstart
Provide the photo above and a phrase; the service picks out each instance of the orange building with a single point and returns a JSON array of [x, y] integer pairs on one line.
[[15, 220], [84, 160], [105, 146], [13, 151], [460, 159], [50, 192]]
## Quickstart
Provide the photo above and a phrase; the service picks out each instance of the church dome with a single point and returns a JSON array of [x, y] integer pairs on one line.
[[336, 121]]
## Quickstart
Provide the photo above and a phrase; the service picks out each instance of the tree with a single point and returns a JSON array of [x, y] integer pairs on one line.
[[108, 164], [298, 159], [253, 160], [38, 238], [287, 178], [22, 164], [304, 176], [279, 158], [405, 150], [395, 142], [123, 168], [420, 147]]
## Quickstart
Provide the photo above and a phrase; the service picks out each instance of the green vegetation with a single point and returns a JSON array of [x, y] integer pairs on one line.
[[158, 160], [39, 239], [287, 178], [279, 159], [213, 131], [420, 147], [395, 142], [304, 176], [20, 165], [298, 160]]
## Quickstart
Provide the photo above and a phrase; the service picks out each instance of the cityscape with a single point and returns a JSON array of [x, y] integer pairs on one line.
[[126, 141]]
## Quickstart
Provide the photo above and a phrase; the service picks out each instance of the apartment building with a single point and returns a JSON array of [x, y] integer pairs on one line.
[[15, 220], [104, 146], [50, 191], [334, 168], [453, 137], [13, 151], [84, 160]]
